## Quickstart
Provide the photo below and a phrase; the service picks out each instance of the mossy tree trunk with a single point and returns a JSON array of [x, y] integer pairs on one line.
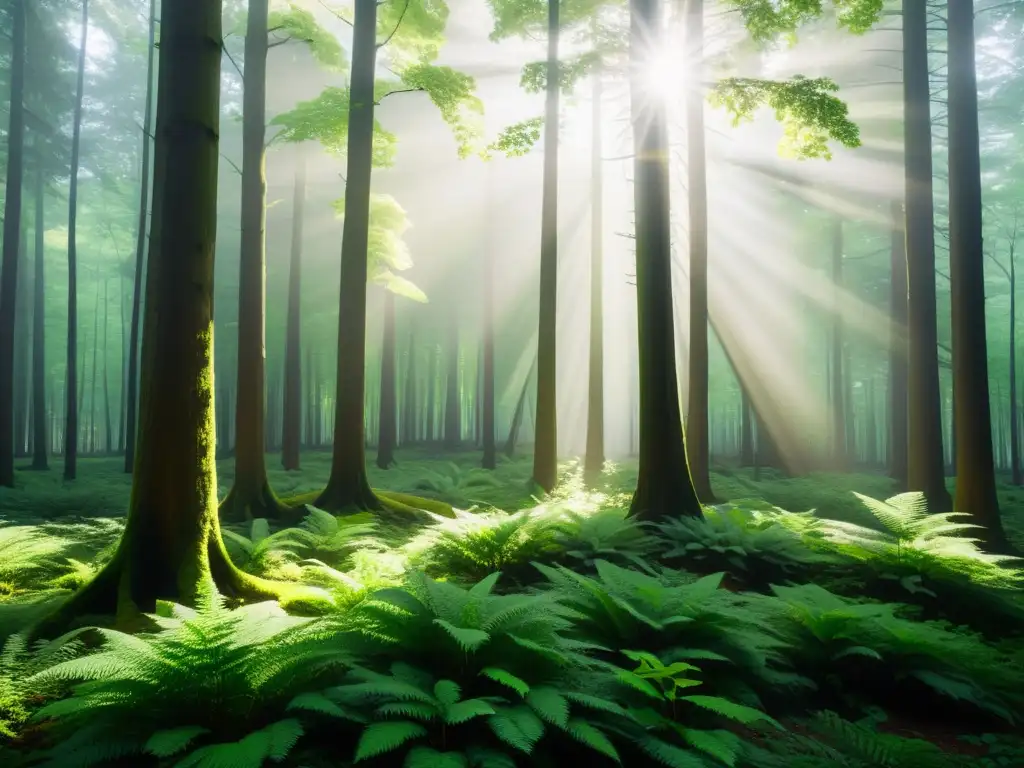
[[171, 548], [924, 447], [698, 449], [348, 486], [975, 467], [593, 461], [291, 426], [545, 444], [40, 426], [141, 245], [387, 427], [11, 239], [250, 495], [664, 486]]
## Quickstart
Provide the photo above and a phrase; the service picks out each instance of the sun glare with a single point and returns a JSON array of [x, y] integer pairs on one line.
[[665, 72]]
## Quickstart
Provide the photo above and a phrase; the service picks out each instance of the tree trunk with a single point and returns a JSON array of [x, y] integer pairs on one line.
[[251, 496], [1016, 475], [432, 394], [348, 486], [746, 430], [40, 427], [22, 333], [697, 437], [409, 417], [593, 462], [898, 349], [388, 413], [108, 432], [172, 548], [91, 434], [975, 470], [291, 427], [517, 416], [490, 459], [141, 243], [452, 405], [840, 458], [664, 486], [924, 401], [545, 444], [11, 241]]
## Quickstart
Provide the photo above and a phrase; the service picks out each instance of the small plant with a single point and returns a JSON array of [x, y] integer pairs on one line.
[[603, 534], [28, 553], [262, 552]]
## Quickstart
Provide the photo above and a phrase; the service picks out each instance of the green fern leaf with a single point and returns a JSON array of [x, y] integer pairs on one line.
[[587, 734], [732, 710], [551, 705], [379, 738], [318, 702], [411, 709], [597, 703], [447, 692], [669, 755], [507, 679], [518, 727], [172, 741], [721, 745], [469, 640], [464, 711], [425, 757]]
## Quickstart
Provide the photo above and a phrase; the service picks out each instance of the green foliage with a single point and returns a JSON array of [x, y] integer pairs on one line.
[[414, 29], [25, 551], [570, 72], [262, 552], [332, 538], [810, 115], [209, 688], [518, 139], [768, 19], [298, 24], [452, 92], [586, 536], [325, 120]]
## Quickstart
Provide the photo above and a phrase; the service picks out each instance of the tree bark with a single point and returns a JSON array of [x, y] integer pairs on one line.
[[898, 349], [11, 241], [1016, 475], [593, 462], [975, 468], [22, 334], [141, 243], [71, 409], [698, 449], [924, 448], [291, 427], [40, 427], [348, 486], [664, 486], [251, 496], [545, 444], [172, 548], [388, 413]]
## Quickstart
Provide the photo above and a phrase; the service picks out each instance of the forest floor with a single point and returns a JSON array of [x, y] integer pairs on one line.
[[103, 488], [871, 640]]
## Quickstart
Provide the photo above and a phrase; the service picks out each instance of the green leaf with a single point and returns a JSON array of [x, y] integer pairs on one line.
[[379, 738], [468, 639], [507, 679], [586, 733], [550, 704], [721, 745], [732, 710], [464, 711], [518, 139], [425, 757], [299, 25], [172, 741]]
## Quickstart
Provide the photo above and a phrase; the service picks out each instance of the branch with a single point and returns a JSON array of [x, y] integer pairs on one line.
[[399, 90], [335, 14], [232, 163], [398, 23]]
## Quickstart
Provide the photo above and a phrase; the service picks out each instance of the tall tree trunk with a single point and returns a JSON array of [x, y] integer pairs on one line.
[[839, 453], [924, 400], [251, 496], [22, 334], [898, 349], [348, 486], [11, 241], [91, 434], [291, 427], [40, 427], [108, 431], [141, 242], [545, 444], [388, 414], [409, 416], [746, 430], [664, 485], [452, 404], [490, 458], [697, 438], [71, 409], [172, 548], [517, 416], [593, 462], [432, 394], [975, 470], [1016, 475]]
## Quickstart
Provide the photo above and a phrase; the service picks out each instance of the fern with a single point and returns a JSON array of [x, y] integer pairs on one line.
[[262, 552]]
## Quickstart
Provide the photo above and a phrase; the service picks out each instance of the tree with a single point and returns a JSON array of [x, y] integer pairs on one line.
[[924, 420], [898, 368], [40, 439], [594, 459], [387, 426], [11, 240], [141, 242], [71, 378], [975, 463], [291, 425], [172, 548]]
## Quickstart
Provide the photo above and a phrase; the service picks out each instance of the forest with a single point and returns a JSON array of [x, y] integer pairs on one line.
[[504, 383]]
